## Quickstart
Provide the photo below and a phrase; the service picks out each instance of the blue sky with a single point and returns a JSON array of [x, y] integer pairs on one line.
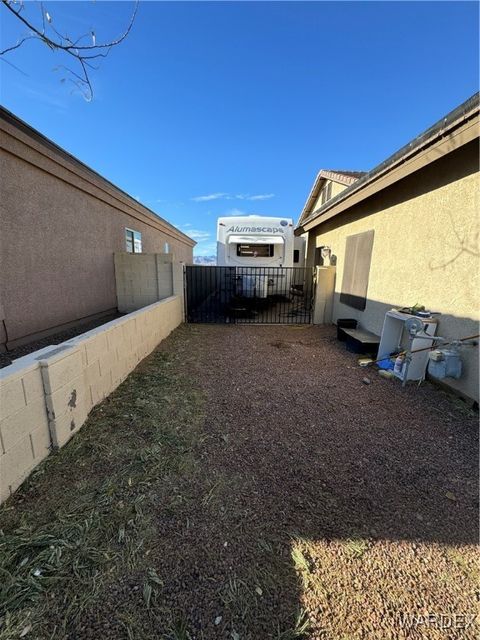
[[213, 108]]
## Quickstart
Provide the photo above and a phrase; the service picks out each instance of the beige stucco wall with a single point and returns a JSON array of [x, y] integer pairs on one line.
[[425, 250], [61, 225], [337, 187], [46, 396]]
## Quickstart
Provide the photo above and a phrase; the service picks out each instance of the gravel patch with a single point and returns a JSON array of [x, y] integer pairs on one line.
[[281, 497], [8, 357]]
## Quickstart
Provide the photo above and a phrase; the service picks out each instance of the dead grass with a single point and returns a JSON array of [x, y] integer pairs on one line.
[[84, 519]]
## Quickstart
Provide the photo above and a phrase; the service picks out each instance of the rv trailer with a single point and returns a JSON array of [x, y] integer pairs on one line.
[[244, 242]]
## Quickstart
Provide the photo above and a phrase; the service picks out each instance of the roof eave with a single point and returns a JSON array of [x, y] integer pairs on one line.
[[466, 112], [27, 130], [322, 176]]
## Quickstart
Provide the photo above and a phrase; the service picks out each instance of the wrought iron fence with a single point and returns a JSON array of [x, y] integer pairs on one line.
[[249, 295]]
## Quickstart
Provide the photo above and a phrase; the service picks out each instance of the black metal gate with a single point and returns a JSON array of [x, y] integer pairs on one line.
[[243, 295]]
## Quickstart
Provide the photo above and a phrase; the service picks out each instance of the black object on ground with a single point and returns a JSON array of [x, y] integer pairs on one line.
[[361, 341], [345, 323]]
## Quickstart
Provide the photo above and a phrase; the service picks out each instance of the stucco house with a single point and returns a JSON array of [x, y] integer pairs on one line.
[[328, 184], [61, 223], [406, 233]]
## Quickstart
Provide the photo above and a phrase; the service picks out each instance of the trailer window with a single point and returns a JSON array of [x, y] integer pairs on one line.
[[255, 250]]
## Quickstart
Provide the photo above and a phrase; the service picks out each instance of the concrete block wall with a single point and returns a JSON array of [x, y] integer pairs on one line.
[[46, 397], [24, 429], [164, 267], [66, 392], [142, 279]]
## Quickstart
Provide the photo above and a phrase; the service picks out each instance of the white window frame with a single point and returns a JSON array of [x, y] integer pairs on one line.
[[135, 239], [254, 250], [326, 192]]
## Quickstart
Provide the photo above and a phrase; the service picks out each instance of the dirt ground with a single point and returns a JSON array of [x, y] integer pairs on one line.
[[246, 483]]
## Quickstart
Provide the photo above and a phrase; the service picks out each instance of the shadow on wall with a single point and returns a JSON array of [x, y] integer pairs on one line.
[[464, 241], [449, 326]]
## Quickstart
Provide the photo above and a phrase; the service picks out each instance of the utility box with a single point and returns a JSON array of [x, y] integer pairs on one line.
[[445, 363], [394, 336]]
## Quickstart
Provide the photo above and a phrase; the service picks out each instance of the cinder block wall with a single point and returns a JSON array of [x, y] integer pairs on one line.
[[24, 430], [46, 397], [142, 279]]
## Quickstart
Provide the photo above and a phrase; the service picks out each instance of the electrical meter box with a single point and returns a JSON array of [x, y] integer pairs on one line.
[[445, 363]]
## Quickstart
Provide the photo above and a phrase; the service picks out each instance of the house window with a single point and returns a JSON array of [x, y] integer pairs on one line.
[[166, 248], [326, 192], [296, 256], [356, 270], [255, 250], [133, 241]]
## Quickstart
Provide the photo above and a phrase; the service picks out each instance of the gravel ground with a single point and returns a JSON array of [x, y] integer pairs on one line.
[[8, 357], [282, 497]]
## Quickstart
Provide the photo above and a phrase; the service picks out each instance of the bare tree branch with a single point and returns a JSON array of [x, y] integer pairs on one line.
[[16, 46], [56, 41]]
